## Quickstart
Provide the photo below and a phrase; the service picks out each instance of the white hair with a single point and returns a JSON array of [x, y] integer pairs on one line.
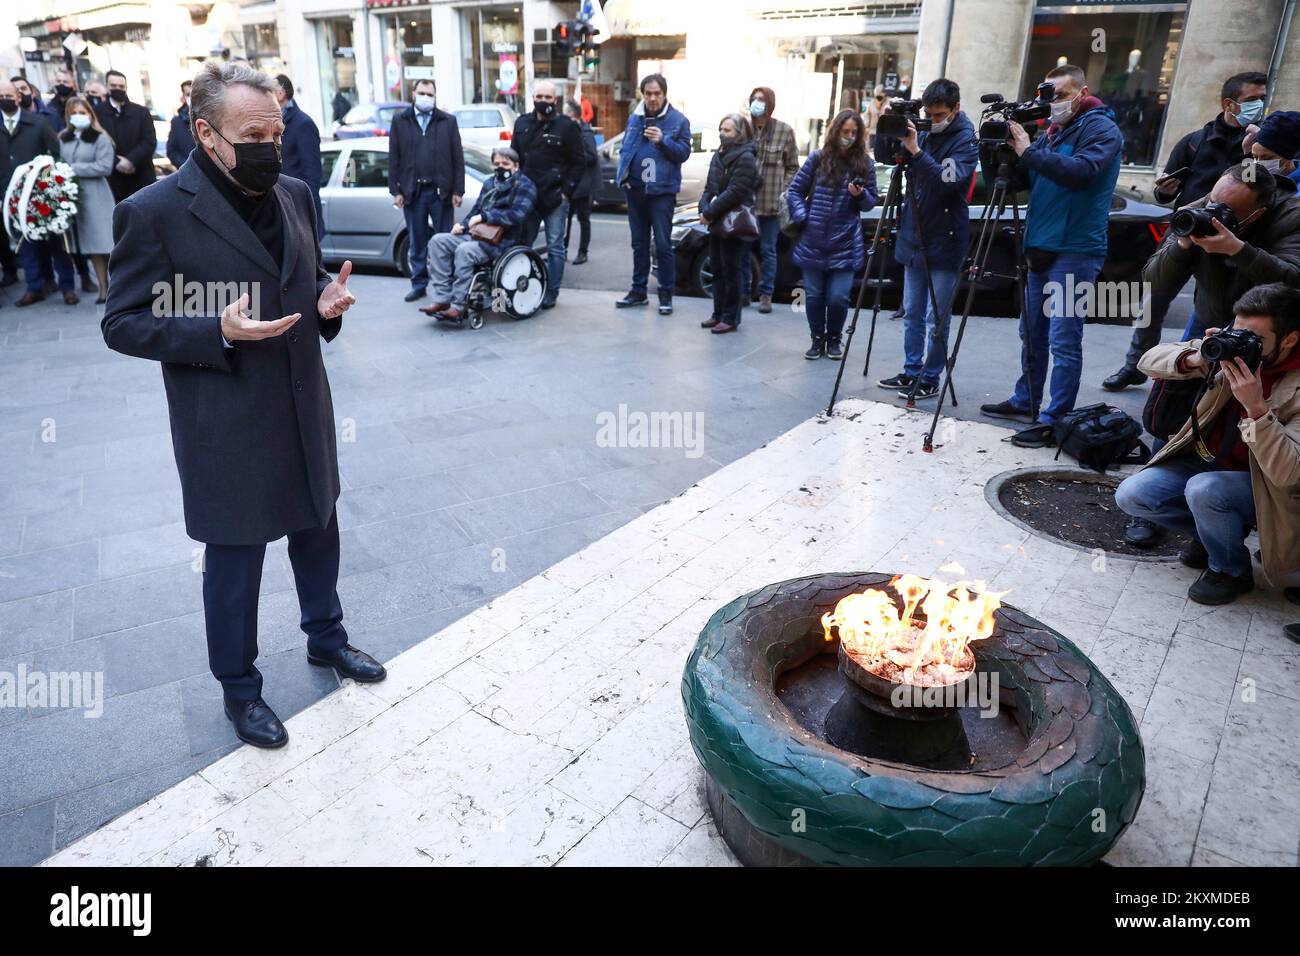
[[212, 83]]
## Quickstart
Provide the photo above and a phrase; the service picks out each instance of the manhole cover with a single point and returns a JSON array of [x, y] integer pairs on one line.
[[1077, 508]]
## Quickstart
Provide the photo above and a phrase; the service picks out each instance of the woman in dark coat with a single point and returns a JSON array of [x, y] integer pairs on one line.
[[828, 195], [731, 183]]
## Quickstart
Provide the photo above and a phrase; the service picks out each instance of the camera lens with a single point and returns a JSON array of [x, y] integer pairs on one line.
[[1183, 223]]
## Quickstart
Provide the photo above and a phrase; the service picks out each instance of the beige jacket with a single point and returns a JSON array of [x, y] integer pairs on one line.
[[1274, 455]]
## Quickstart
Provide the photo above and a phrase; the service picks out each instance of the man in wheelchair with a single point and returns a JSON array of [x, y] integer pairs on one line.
[[491, 227]]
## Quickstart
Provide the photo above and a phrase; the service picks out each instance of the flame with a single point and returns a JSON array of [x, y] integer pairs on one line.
[[902, 647]]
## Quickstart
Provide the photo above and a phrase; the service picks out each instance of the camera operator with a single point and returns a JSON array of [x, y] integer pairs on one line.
[[1071, 171], [1195, 165], [933, 232], [1249, 418]]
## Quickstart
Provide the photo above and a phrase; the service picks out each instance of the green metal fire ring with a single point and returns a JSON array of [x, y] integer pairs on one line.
[[782, 795]]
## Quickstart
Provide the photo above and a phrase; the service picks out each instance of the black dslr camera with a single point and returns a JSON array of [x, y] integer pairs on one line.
[[894, 123], [1234, 343], [1200, 221]]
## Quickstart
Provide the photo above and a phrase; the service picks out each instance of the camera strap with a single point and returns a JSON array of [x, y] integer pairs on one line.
[[1198, 439]]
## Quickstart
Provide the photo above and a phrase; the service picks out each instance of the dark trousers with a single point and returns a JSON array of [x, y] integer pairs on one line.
[[724, 256], [30, 254], [647, 215], [579, 206], [8, 259], [232, 579], [420, 210]]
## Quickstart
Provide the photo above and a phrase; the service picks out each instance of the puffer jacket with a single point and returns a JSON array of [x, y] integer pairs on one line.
[[505, 204], [940, 179], [732, 181], [832, 217]]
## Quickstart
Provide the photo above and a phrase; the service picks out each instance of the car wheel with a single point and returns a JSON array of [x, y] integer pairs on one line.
[[401, 255]]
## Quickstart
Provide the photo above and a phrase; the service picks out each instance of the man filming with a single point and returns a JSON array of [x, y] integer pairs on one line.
[[933, 232], [1249, 424], [1071, 171]]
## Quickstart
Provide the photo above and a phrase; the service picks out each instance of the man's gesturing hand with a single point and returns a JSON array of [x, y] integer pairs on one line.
[[236, 324], [336, 299]]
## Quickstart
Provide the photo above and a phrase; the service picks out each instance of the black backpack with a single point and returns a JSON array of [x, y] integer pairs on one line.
[[1170, 404], [1099, 436]]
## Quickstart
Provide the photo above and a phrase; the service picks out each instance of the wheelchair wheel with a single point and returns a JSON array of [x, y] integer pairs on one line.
[[476, 318], [519, 282]]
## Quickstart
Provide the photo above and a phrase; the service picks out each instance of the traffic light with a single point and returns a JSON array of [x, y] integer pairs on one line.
[[562, 38], [588, 49]]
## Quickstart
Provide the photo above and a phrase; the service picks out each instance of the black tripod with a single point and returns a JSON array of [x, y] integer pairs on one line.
[[890, 213], [990, 221]]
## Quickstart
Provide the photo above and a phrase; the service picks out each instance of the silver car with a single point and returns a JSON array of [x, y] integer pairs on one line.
[[360, 221], [484, 124]]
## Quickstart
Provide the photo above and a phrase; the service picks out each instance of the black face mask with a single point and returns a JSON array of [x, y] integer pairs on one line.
[[544, 109], [63, 90], [9, 107], [117, 96], [257, 165], [26, 101], [502, 175], [95, 100]]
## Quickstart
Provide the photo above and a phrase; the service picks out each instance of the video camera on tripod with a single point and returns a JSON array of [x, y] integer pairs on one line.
[[995, 124], [892, 127]]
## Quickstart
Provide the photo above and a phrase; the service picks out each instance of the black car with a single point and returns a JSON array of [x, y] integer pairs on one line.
[[1136, 229]]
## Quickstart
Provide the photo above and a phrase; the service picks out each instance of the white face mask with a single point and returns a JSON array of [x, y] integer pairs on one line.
[[1272, 165], [423, 102], [940, 127], [1062, 110], [757, 108], [79, 121]]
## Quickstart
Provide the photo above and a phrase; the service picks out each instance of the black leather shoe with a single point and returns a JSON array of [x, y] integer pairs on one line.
[[256, 723], [349, 662], [580, 258], [630, 300], [1004, 410], [1292, 595], [1126, 376], [413, 295], [1292, 632], [1215, 587], [548, 300], [1141, 533], [1194, 555]]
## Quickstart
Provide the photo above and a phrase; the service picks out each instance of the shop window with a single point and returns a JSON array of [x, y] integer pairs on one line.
[[1128, 58]]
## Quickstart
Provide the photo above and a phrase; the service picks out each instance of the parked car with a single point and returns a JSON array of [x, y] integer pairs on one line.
[[694, 172], [484, 124], [360, 221], [368, 119], [1136, 229]]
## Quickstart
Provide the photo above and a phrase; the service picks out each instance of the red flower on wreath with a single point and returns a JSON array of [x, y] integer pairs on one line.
[[43, 209]]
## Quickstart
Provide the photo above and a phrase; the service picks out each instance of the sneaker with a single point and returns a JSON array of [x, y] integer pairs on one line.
[[816, 350], [924, 390], [1215, 587], [901, 380], [834, 350], [1035, 436], [1006, 410], [765, 304], [631, 299], [1194, 555], [665, 305]]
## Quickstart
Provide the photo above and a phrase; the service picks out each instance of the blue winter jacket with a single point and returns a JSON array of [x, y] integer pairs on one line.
[[939, 182], [657, 165], [832, 217], [504, 204], [1071, 180]]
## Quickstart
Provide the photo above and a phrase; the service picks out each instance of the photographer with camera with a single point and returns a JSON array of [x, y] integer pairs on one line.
[[933, 233], [1247, 424], [1071, 172]]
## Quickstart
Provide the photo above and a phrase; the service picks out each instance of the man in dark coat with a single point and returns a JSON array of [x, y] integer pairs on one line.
[[23, 137], [131, 127], [549, 145], [300, 145], [180, 139], [251, 415], [426, 175], [1195, 164], [580, 203]]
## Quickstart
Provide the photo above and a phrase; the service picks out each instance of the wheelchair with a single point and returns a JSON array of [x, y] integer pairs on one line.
[[514, 283]]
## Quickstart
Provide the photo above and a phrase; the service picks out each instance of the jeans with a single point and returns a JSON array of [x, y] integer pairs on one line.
[[581, 208], [30, 254], [724, 254], [919, 319], [418, 210], [554, 223], [826, 297], [1185, 494], [232, 577], [451, 266], [1052, 325], [769, 229], [646, 215]]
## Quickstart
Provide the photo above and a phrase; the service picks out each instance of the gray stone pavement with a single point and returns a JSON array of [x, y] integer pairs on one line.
[[470, 463]]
